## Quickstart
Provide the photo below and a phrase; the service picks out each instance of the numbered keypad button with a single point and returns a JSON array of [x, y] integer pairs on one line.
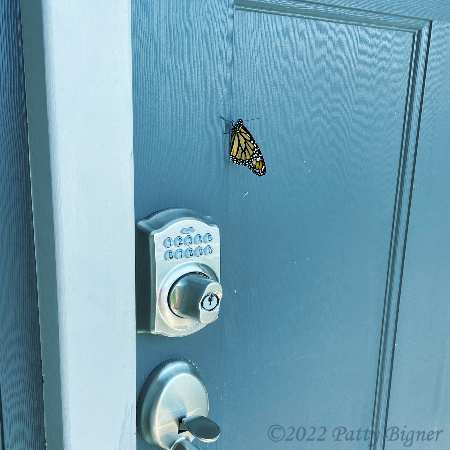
[[207, 238], [167, 242]]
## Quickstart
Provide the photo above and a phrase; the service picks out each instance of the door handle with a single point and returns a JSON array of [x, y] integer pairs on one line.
[[173, 408]]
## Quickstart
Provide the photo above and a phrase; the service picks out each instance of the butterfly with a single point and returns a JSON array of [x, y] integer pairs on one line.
[[244, 150]]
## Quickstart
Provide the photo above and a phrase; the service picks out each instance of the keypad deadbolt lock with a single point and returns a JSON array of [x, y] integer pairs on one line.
[[178, 273], [173, 408]]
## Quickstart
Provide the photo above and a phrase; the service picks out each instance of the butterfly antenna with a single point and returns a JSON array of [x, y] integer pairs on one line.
[[225, 119], [228, 124]]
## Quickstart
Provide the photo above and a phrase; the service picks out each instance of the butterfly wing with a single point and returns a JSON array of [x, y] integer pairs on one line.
[[245, 151]]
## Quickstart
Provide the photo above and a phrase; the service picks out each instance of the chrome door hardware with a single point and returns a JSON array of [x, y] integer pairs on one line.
[[196, 296], [181, 261], [173, 408]]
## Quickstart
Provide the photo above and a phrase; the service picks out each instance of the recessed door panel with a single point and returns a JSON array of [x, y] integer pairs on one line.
[[309, 249]]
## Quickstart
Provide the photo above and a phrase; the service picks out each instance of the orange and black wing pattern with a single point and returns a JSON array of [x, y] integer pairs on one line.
[[244, 150]]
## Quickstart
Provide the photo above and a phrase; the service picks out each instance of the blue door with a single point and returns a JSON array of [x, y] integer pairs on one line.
[[313, 252]]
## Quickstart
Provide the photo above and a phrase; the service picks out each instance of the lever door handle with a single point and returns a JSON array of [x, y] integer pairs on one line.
[[204, 429], [173, 408]]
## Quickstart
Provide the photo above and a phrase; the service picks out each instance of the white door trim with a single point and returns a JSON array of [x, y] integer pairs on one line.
[[79, 100]]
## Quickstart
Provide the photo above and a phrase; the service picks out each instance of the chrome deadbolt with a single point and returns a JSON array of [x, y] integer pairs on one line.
[[183, 293], [196, 296]]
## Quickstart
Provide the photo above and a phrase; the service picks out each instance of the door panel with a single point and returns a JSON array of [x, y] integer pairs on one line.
[[310, 262], [420, 393]]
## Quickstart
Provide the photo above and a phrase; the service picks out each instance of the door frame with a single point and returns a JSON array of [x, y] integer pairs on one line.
[[79, 103]]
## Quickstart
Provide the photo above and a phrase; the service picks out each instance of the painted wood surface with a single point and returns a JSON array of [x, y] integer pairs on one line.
[[2, 445], [312, 252], [79, 99], [427, 9], [420, 394], [21, 418]]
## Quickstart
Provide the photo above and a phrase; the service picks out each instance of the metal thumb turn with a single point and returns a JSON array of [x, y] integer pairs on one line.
[[204, 429]]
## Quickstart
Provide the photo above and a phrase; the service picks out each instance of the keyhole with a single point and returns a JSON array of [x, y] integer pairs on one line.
[[210, 302]]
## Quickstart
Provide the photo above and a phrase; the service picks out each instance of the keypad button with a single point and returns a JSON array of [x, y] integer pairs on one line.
[[179, 254], [189, 253], [207, 250], [167, 242], [188, 240], [178, 241], [198, 251], [168, 255], [207, 238], [197, 239]]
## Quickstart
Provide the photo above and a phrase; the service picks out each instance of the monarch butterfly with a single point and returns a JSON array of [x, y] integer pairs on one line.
[[244, 150]]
